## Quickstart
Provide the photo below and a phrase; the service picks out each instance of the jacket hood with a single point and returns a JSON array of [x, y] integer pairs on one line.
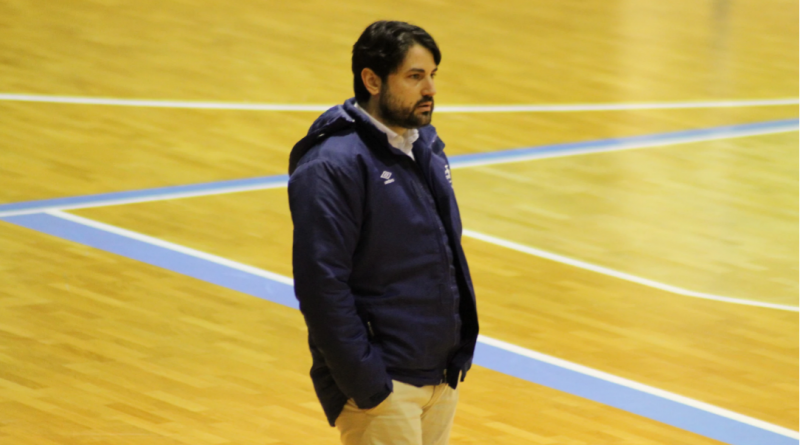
[[337, 119]]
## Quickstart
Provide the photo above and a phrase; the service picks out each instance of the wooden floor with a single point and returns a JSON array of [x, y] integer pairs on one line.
[[97, 348]]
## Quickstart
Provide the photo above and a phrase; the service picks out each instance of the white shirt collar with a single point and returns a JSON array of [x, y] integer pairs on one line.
[[402, 143]]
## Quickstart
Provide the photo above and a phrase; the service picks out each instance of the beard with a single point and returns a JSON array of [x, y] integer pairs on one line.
[[395, 114]]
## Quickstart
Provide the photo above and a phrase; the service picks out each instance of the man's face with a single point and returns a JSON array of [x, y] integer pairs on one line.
[[406, 98]]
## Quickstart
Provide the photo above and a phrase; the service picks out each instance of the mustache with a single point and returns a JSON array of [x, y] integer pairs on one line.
[[425, 101]]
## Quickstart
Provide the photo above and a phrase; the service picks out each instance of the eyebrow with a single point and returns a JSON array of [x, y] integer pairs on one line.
[[420, 70]]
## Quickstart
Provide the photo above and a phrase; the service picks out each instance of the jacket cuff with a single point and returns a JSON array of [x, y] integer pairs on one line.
[[375, 399]]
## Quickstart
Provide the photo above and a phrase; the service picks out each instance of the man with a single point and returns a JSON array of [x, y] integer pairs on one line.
[[379, 269]]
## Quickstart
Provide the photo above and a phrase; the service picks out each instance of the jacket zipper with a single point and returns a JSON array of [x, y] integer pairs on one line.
[[421, 182]]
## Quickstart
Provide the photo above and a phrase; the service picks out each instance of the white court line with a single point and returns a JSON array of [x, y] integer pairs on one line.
[[529, 155], [171, 246], [532, 155], [722, 412], [79, 100], [472, 234], [483, 339], [621, 275], [152, 198], [477, 235], [614, 107]]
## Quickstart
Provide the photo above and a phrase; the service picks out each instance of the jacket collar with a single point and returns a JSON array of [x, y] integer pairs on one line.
[[364, 123], [427, 134], [395, 140], [342, 117]]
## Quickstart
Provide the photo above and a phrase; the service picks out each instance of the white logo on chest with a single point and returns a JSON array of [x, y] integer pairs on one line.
[[388, 177], [447, 173]]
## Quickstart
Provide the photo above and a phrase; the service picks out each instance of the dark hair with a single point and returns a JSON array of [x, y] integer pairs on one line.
[[382, 48]]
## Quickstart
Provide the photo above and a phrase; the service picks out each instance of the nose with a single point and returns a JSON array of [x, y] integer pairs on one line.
[[430, 88]]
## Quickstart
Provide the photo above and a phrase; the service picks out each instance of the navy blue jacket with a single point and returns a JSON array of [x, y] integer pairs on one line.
[[379, 270]]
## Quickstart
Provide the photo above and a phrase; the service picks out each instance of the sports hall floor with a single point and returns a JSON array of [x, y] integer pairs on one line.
[[636, 264]]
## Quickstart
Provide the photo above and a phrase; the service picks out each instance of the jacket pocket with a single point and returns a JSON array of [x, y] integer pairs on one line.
[[414, 332]]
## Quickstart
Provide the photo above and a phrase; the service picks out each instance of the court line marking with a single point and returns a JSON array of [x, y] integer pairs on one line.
[[525, 108], [140, 247], [172, 246], [146, 195], [459, 161], [620, 275], [703, 406], [626, 143], [462, 161], [158, 242]]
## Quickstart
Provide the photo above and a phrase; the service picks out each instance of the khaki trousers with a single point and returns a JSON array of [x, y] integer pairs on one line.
[[409, 416]]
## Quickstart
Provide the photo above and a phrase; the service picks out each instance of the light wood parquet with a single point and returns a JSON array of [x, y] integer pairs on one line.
[[299, 52], [96, 348], [294, 53], [665, 340], [117, 149], [148, 356], [717, 217]]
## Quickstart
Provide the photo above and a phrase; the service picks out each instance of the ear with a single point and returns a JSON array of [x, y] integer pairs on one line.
[[371, 81]]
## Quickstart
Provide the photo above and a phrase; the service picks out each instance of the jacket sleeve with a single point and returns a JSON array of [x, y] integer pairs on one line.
[[326, 202]]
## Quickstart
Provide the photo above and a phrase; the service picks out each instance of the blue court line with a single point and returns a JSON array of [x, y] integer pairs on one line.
[[159, 256], [628, 399], [545, 151], [207, 187], [644, 404], [528, 153]]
